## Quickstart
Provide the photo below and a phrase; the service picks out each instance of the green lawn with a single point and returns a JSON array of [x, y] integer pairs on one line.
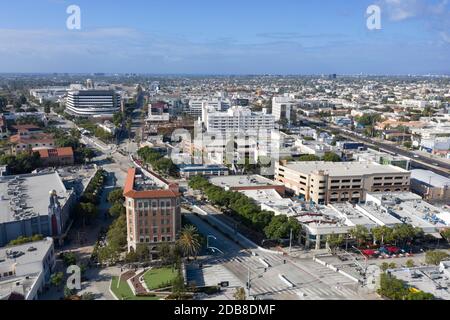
[[124, 292], [154, 278]]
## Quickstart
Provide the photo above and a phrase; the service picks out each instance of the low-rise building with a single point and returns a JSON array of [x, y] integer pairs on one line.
[[28, 141], [431, 186], [56, 157], [189, 170], [158, 112], [251, 182], [409, 208], [33, 204], [26, 269]]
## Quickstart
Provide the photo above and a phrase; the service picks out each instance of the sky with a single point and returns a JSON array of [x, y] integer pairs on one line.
[[226, 37]]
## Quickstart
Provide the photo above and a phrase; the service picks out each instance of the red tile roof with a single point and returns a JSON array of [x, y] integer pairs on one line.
[[128, 190], [53, 153]]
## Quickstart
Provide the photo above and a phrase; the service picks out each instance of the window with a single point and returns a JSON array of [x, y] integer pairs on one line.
[[155, 239]]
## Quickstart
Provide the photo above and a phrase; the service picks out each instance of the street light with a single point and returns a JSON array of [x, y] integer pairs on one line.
[[213, 249], [207, 240], [365, 259]]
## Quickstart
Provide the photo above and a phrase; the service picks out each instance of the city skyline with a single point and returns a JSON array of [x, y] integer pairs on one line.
[[287, 37]]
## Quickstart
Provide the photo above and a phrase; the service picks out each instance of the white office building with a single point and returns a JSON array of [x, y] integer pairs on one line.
[[93, 103], [198, 105], [282, 107], [239, 119]]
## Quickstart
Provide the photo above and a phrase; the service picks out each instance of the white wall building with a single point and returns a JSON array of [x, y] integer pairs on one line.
[[26, 269], [88, 103]]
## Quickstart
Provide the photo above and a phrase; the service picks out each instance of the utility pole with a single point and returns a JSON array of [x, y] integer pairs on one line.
[[290, 241], [248, 282]]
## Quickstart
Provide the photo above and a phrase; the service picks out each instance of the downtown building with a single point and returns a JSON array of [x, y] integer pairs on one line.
[[330, 182], [152, 209], [231, 137], [93, 103], [282, 108], [25, 270], [34, 204]]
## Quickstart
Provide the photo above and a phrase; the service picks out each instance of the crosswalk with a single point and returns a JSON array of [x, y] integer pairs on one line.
[[311, 280]]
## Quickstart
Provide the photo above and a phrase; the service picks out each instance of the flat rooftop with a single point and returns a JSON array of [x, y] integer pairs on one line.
[[25, 253], [375, 213], [343, 168], [352, 215], [430, 178], [268, 196], [19, 285], [146, 184], [392, 197], [243, 181], [27, 196], [437, 287]]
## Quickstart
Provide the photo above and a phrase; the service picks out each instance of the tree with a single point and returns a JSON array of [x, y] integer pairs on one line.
[[334, 241], [331, 157], [405, 232], [68, 292], [239, 294], [280, 227], [446, 234], [88, 296], [118, 119], [178, 287], [360, 233], [87, 211], [56, 279], [116, 196], [88, 154], [419, 296], [384, 266], [69, 258], [392, 288], [308, 157], [116, 210], [189, 241], [410, 263], [382, 234], [435, 257]]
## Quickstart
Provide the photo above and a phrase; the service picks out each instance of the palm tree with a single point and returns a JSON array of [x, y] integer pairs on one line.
[[189, 241], [381, 234]]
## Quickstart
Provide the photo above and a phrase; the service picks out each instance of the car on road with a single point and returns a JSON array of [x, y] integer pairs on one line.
[[416, 156]]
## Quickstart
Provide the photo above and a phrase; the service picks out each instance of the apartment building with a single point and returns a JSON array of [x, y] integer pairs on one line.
[[198, 104], [239, 119], [87, 103], [329, 182], [152, 209]]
